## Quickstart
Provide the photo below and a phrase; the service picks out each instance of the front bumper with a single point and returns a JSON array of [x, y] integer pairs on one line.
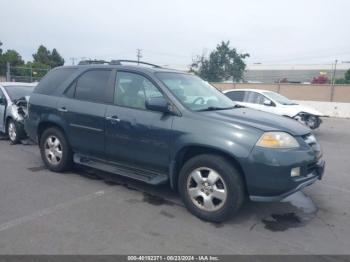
[[311, 178], [268, 172]]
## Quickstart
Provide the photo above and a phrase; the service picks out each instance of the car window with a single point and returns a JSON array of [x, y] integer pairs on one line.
[[92, 85], [195, 93], [2, 98], [132, 90], [236, 95], [279, 98], [53, 80], [16, 92], [254, 98]]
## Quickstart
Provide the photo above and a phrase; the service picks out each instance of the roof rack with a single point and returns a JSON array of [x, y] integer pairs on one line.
[[115, 62], [92, 62], [119, 62]]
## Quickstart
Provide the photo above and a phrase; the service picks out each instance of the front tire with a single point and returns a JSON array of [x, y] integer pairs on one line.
[[211, 187], [15, 132], [55, 150]]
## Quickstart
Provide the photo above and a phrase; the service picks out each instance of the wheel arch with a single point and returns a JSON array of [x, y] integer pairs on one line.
[[190, 151], [48, 124]]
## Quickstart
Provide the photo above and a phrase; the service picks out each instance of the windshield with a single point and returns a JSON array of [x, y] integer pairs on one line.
[[279, 98], [16, 92], [194, 93]]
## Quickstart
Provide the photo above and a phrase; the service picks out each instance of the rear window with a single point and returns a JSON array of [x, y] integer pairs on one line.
[[236, 95], [53, 80]]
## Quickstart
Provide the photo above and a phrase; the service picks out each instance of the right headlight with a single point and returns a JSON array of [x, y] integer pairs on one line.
[[277, 140]]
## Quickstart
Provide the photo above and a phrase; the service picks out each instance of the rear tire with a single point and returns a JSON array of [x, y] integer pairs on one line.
[[55, 150], [211, 187]]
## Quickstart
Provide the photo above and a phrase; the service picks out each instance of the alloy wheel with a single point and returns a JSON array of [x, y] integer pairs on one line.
[[12, 131], [207, 189], [53, 150]]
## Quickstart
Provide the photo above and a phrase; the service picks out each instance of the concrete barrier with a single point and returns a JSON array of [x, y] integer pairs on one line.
[[332, 109]]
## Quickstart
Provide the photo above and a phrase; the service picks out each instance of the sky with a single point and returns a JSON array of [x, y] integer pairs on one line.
[[172, 32]]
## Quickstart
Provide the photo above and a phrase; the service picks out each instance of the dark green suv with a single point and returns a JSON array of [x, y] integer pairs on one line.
[[164, 126]]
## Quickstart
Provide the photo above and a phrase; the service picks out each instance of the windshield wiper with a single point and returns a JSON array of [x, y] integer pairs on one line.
[[214, 108]]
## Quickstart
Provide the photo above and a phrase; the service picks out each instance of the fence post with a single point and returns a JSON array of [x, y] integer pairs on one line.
[[332, 92], [8, 72], [31, 74]]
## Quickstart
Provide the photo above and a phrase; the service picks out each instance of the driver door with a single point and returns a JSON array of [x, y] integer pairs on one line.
[[2, 110], [136, 136]]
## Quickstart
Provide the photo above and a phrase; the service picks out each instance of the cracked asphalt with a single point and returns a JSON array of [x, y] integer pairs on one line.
[[84, 212]]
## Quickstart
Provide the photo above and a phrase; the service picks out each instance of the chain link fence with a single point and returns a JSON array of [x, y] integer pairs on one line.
[[22, 73]]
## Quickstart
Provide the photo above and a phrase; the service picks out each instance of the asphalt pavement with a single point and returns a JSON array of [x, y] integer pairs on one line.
[[84, 212]]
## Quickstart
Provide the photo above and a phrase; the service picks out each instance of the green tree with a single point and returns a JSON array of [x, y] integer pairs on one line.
[[11, 56], [345, 80], [42, 55], [46, 57], [56, 59], [223, 63]]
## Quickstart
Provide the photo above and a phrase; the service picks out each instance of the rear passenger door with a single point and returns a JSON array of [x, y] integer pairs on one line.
[[83, 107]]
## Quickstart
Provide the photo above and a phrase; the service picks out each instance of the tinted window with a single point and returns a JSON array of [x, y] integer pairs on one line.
[[254, 98], [53, 80], [132, 90], [92, 85], [2, 97], [16, 92], [236, 95]]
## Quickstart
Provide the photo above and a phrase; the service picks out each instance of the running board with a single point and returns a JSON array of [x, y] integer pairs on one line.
[[149, 177]]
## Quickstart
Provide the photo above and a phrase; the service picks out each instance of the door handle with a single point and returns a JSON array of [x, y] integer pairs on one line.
[[62, 109], [113, 118]]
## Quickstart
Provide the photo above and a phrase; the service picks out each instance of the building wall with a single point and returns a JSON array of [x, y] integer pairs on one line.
[[295, 75], [341, 93]]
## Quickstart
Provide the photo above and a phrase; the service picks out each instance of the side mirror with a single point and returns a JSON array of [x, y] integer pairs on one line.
[[159, 104], [268, 102]]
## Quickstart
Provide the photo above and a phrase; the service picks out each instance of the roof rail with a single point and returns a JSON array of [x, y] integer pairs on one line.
[[92, 62], [119, 62]]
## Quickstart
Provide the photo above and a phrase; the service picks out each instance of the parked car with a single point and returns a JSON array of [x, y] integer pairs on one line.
[[13, 109], [275, 103], [164, 126]]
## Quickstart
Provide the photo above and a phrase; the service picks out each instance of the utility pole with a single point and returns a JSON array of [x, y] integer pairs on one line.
[[138, 55], [8, 72], [333, 79], [31, 73], [73, 60], [334, 71]]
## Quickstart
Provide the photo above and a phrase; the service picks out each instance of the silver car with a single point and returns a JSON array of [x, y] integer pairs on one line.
[[13, 109]]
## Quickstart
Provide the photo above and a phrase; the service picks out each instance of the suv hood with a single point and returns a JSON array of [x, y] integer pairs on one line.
[[260, 120]]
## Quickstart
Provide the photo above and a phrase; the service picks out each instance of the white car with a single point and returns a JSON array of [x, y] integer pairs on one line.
[[275, 103], [13, 109]]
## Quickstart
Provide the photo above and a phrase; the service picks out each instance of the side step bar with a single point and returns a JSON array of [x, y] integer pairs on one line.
[[146, 176]]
